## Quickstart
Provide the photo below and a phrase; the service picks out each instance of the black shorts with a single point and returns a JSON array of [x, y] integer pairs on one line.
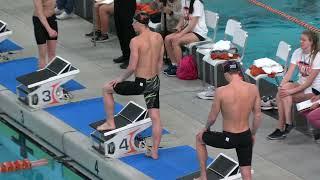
[[199, 36], [242, 142], [40, 31], [149, 88]]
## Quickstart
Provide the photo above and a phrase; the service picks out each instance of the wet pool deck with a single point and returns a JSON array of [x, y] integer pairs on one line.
[[182, 114]]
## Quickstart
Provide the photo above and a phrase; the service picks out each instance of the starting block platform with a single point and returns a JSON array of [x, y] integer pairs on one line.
[[4, 32], [125, 140], [222, 168], [43, 87]]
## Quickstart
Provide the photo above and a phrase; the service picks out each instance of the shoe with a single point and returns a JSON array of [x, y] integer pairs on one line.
[[101, 38], [120, 59], [97, 33], [288, 128], [274, 103], [124, 65], [58, 11], [64, 16], [168, 68], [277, 134], [206, 95], [266, 103], [172, 72]]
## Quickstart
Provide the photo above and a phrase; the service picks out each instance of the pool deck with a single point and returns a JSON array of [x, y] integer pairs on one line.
[[182, 114]]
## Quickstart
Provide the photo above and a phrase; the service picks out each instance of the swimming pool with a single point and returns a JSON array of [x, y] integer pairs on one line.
[[11, 151], [266, 30]]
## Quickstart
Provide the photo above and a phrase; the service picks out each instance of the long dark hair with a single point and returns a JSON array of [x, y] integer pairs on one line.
[[314, 38], [191, 9]]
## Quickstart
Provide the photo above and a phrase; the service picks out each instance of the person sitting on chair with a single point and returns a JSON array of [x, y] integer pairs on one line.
[[307, 59], [191, 28], [103, 10]]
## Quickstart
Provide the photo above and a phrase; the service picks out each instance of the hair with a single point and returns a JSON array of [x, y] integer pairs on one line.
[[191, 9], [314, 38]]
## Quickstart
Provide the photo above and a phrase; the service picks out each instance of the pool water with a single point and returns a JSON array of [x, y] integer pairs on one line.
[[10, 151], [266, 30]]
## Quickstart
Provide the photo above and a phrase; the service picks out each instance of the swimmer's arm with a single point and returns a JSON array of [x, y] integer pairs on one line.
[[215, 109], [191, 25], [256, 112], [134, 56], [160, 61], [314, 73], [39, 11], [288, 74]]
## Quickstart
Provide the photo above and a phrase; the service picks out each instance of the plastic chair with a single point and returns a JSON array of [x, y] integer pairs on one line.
[[212, 20], [282, 54], [239, 40], [231, 27]]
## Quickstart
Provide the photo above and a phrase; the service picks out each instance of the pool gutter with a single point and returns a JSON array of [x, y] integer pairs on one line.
[[64, 139]]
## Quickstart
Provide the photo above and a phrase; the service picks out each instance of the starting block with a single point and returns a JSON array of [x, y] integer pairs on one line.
[[222, 168], [4, 32], [125, 139], [43, 87]]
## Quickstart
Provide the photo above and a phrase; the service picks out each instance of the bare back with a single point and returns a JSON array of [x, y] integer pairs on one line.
[[150, 50], [47, 7], [237, 101]]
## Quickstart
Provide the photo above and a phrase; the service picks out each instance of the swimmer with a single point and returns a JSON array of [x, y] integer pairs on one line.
[[236, 101], [145, 63], [45, 29]]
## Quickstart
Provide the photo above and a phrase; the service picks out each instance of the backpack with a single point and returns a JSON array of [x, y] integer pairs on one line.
[[187, 69]]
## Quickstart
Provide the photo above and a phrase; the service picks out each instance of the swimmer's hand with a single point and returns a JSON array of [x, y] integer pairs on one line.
[[200, 134], [285, 92], [52, 33], [114, 82]]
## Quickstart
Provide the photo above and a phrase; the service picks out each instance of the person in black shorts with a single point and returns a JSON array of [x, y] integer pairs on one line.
[[235, 101], [45, 30], [145, 63]]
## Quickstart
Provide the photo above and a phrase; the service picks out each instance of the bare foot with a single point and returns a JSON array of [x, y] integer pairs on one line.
[[151, 154], [106, 126]]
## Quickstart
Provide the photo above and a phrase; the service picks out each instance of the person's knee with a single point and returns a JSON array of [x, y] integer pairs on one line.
[[107, 89]]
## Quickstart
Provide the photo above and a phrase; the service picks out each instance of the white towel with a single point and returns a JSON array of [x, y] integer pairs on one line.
[[104, 1], [222, 45], [268, 65]]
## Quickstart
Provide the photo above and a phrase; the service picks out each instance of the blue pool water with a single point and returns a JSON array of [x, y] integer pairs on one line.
[[10, 151], [265, 29]]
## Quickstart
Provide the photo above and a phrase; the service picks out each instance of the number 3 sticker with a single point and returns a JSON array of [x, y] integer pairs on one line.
[[47, 95]]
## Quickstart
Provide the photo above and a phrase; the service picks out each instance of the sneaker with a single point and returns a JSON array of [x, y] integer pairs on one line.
[[101, 38], [124, 65], [168, 68], [206, 95], [64, 16], [266, 103], [277, 134], [288, 128], [97, 33], [274, 103], [120, 59], [58, 11], [172, 72]]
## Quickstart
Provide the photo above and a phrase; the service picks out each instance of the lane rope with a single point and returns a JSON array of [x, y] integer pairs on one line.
[[286, 16]]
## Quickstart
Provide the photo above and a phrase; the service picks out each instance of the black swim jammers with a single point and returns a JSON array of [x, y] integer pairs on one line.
[[40, 31], [242, 142], [149, 88]]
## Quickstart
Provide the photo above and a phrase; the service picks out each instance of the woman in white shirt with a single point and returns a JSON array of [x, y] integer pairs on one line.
[[191, 28], [307, 60]]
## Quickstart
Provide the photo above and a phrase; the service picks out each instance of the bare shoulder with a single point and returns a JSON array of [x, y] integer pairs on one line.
[[135, 41], [219, 91], [253, 88]]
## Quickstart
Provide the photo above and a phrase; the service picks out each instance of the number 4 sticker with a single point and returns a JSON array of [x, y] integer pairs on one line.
[[124, 144]]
